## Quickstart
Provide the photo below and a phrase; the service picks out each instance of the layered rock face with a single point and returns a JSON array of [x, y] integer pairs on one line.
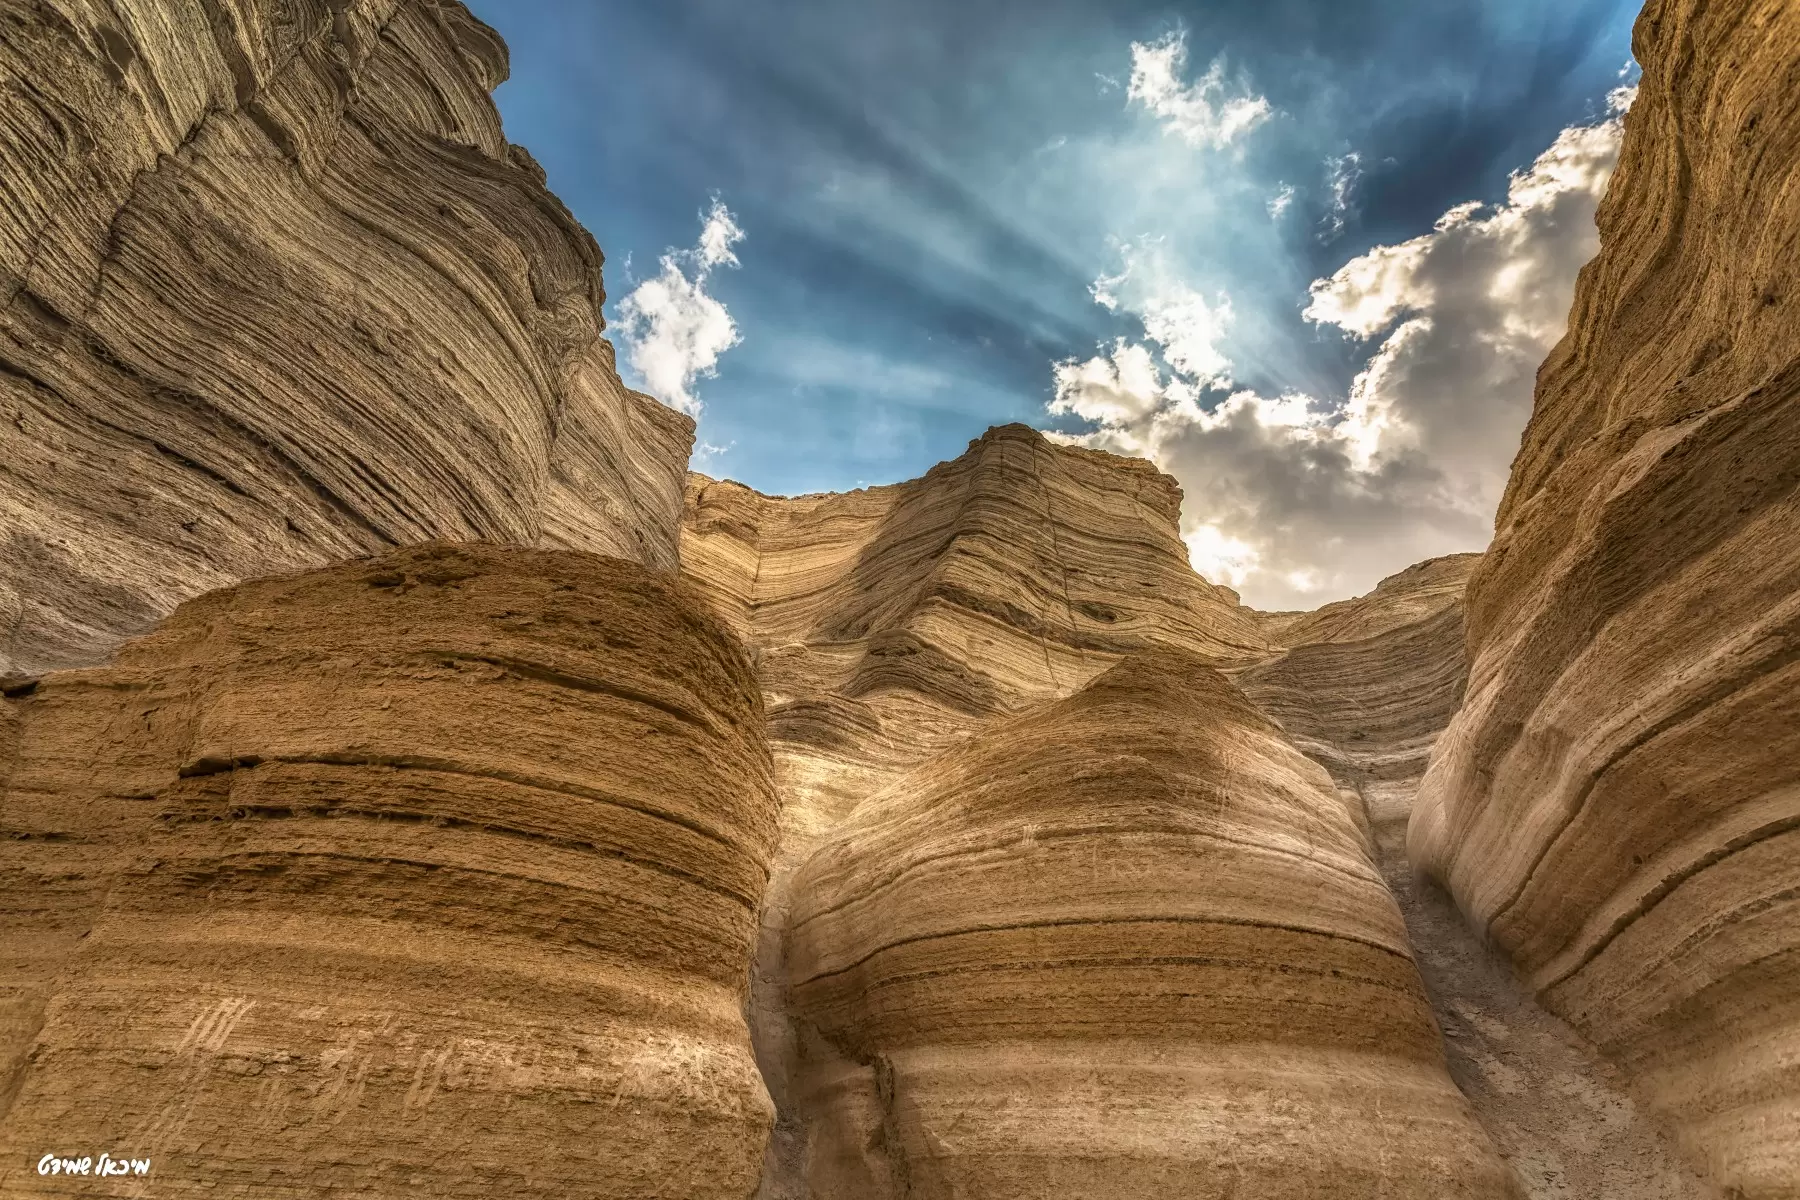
[[1368, 684], [278, 292], [1421, 591], [891, 623], [1130, 944], [1618, 802], [432, 873]]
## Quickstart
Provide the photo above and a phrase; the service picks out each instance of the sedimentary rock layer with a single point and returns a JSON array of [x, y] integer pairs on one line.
[[1422, 590], [1370, 683], [1618, 802], [434, 873], [1022, 560], [275, 291], [1128, 945], [891, 623]]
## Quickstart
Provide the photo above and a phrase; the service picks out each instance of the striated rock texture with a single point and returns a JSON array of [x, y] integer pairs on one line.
[[1368, 684], [1369, 708], [1422, 590], [1129, 945], [434, 874], [1618, 802], [275, 291], [891, 623]]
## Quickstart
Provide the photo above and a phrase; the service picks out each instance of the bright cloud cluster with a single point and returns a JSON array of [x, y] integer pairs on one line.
[[674, 330], [1297, 499], [1205, 112]]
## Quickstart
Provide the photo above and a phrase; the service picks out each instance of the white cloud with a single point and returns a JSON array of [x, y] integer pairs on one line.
[[674, 330], [1297, 499], [1188, 328], [1278, 204], [1220, 557], [1342, 175], [1204, 113], [718, 236], [706, 455]]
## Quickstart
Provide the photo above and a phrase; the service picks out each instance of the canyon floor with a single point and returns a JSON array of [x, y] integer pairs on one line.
[[1562, 1118]]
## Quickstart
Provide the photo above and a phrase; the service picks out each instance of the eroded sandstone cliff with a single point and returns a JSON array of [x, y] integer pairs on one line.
[[442, 872], [1366, 685], [277, 291], [1131, 944], [1618, 802], [434, 874], [890, 624], [893, 624]]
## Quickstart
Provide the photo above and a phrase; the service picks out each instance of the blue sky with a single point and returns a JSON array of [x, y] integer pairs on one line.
[[940, 202]]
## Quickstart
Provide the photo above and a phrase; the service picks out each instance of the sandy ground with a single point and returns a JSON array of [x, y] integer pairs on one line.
[[1556, 1109]]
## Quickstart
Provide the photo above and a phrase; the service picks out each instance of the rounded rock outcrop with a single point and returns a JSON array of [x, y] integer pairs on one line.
[[1130, 944], [435, 872]]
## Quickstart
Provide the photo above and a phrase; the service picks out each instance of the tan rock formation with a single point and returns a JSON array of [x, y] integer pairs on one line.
[[1422, 590], [1618, 802], [429, 874], [1370, 683], [1129, 945], [891, 623], [1369, 709], [277, 291]]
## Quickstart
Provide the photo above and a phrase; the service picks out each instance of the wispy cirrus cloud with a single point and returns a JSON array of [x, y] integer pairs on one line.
[[1207, 112], [1342, 174]]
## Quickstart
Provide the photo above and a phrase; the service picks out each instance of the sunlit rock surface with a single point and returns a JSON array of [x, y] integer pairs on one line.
[[889, 624], [441, 873], [1618, 802], [275, 291], [1132, 944], [431, 874], [1368, 684]]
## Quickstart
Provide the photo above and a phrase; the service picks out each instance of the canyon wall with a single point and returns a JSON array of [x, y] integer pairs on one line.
[[433, 873], [277, 292], [1366, 685], [990, 599], [946, 838], [1618, 802], [1131, 944], [889, 624]]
